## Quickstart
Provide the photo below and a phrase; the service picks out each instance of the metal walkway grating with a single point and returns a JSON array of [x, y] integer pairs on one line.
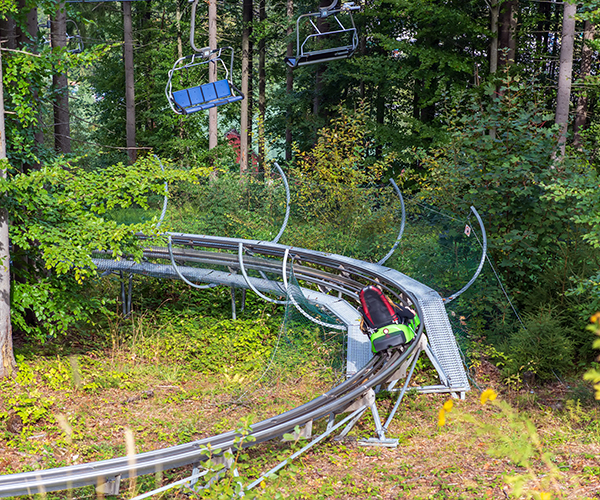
[[442, 341]]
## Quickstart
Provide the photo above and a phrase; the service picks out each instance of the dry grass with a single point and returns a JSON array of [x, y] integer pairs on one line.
[[166, 405]]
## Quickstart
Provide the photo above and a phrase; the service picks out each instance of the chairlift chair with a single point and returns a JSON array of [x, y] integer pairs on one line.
[[310, 52], [72, 34], [191, 99], [187, 99]]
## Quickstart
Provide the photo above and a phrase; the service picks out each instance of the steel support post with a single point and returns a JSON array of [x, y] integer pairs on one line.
[[126, 294], [233, 314]]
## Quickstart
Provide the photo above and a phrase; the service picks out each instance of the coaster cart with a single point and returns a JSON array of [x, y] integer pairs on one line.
[[337, 41], [185, 91]]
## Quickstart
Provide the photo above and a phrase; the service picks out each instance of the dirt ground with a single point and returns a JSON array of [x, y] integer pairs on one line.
[[546, 446]]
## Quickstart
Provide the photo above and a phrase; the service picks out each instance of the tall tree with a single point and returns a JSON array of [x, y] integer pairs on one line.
[[7, 358], [212, 77], [289, 79], [129, 82], [262, 85], [32, 30], [494, 7], [245, 122], [62, 128], [565, 73], [507, 39], [584, 73]]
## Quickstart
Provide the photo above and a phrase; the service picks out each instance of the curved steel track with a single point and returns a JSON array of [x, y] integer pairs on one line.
[[332, 274]]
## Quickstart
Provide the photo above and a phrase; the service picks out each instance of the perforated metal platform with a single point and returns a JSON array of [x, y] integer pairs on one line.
[[442, 341]]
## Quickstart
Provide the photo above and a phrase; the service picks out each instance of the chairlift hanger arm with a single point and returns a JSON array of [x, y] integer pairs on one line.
[[193, 33], [331, 9], [193, 26]]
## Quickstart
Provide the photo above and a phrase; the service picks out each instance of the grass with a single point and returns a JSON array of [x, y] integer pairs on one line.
[[77, 405], [167, 404]]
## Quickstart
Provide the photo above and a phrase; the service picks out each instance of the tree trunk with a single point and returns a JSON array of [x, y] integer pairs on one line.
[[262, 88], [556, 27], [178, 24], [582, 101], [62, 129], [8, 365], [8, 32], [18, 39], [362, 47], [494, 13], [244, 122], [289, 81], [507, 43], [212, 76], [543, 27], [129, 82], [24, 37], [250, 94], [32, 29], [323, 26], [563, 96]]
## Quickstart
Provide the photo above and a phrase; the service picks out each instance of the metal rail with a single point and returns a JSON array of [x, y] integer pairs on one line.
[[402, 224], [481, 261], [269, 257], [334, 401]]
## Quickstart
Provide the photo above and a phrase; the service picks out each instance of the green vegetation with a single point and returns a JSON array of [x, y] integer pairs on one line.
[[429, 100], [81, 405]]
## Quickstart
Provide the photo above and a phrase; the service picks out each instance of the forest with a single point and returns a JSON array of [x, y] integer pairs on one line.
[[488, 104]]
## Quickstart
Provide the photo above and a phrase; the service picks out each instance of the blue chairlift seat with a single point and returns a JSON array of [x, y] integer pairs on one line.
[[208, 95], [204, 97]]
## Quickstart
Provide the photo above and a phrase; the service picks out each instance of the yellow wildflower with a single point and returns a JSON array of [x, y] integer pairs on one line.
[[448, 405], [442, 417], [544, 495], [263, 485], [488, 395], [595, 318]]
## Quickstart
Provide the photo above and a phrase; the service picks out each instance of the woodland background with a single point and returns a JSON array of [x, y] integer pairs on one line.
[[484, 103]]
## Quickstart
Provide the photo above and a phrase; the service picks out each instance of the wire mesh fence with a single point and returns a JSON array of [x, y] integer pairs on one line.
[[441, 250]]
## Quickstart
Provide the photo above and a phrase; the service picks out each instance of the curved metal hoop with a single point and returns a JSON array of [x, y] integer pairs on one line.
[[164, 209], [287, 202], [181, 276], [402, 224], [481, 262], [252, 287], [296, 305], [193, 27]]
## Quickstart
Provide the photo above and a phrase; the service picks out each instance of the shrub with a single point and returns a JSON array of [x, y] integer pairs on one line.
[[498, 158], [543, 346]]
